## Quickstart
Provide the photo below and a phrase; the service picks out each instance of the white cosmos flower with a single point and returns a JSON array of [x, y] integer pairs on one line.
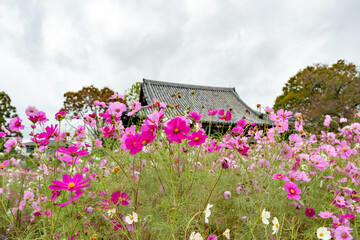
[[195, 236], [111, 212], [208, 212], [323, 233], [227, 233], [276, 225], [129, 219], [265, 215]]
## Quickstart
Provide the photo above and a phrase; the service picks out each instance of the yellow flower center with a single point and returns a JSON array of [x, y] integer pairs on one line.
[[196, 139], [224, 116], [344, 149], [277, 225], [292, 191], [279, 177], [344, 235], [132, 217], [120, 198], [1, 165], [321, 234], [339, 223], [143, 142], [176, 130], [71, 185], [326, 215]]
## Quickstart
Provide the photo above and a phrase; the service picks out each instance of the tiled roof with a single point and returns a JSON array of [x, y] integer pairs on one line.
[[209, 97]]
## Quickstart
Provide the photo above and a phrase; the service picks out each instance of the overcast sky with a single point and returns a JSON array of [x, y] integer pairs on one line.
[[50, 47]]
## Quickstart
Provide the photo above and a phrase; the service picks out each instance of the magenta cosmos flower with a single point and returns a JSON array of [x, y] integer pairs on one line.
[[225, 116], [60, 115], [70, 183], [120, 198], [72, 151], [176, 129], [134, 143], [293, 191], [309, 212], [197, 138]]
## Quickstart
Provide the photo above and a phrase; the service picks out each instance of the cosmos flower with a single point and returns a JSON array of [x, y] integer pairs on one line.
[[323, 233], [275, 226], [120, 198], [176, 129], [197, 138], [70, 183], [265, 215], [208, 212], [195, 236], [293, 191], [129, 219]]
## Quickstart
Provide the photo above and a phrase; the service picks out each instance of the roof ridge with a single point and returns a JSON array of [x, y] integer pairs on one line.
[[148, 81]]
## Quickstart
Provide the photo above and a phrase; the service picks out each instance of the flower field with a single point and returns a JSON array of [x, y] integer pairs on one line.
[[168, 178]]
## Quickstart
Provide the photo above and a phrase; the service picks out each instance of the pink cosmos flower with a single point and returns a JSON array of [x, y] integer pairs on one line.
[[47, 213], [227, 195], [195, 116], [241, 123], [117, 96], [284, 114], [278, 176], [197, 138], [98, 143], [70, 183], [5, 163], [120, 198], [134, 106], [339, 201], [41, 117], [327, 121], [225, 116], [31, 111], [10, 144], [117, 108], [176, 129], [326, 214], [343, 233], [15, 124], [293, 191]]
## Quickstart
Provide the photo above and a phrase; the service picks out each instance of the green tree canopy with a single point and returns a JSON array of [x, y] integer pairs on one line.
[[7, 111], [322, 90]]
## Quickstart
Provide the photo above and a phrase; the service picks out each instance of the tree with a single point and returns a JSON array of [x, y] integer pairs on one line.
[[133, 93], [81, 102], [321, 90], [7, 111]]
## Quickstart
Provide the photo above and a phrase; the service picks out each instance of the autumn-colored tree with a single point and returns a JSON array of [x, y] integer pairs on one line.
[[7, 111], [81, 102], [321, 90]]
